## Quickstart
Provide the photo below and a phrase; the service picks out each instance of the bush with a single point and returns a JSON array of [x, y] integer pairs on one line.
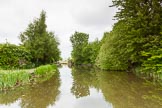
[[12, 56]]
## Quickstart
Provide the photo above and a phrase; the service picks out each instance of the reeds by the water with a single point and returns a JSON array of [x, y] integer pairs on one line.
[[13, 78], [10, 79]]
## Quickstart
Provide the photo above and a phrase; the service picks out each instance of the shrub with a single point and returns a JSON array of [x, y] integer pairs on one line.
[[12, 56]]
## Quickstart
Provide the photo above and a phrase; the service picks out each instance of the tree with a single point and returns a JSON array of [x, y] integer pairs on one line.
[[144, 18], [115, 51], [52, 52], [135, 40], [94, 48], [43, 45], [79, 41]]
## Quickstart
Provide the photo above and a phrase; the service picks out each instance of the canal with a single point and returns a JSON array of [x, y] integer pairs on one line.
[[85, 88]]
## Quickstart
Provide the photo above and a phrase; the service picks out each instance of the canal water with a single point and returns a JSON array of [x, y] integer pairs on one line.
[[85, 88]]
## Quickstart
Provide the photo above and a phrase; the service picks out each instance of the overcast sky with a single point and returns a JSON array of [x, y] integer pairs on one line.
[[64, 17]]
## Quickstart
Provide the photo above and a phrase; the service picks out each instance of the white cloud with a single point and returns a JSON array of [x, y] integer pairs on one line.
[[93, 13], [64, 17]]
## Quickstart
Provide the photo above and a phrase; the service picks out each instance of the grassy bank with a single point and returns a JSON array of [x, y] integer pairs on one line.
[[12, 78]]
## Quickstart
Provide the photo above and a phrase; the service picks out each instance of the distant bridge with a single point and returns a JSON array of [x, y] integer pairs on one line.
[[63, 62]]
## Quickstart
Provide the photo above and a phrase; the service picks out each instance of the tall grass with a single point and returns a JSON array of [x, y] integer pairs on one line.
[[13, 78], [9, 78]]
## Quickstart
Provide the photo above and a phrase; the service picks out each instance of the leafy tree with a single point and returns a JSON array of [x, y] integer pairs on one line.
[[79, 41], [95, 47], [12, 56], [144, 18], [152, 62], [52, 50], [104, 38], [135, 40], [43, 45], [115, 51], [84, 52]]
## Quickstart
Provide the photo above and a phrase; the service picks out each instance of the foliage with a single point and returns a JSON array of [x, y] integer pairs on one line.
[[43, 45], [136, 33], [84, 52], [93, 50], [104, 38], [135, 41], [115, 51], [12, 56], [144, 20], [152, 64], [79, 41]]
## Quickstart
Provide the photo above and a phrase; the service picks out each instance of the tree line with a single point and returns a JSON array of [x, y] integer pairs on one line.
[[135, 42], [38, 47]]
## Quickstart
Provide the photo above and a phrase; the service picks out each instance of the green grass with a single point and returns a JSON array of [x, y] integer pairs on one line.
[[44, 70], [13, 78]]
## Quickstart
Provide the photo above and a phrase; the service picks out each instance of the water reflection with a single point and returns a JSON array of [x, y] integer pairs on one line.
[[121, 89], [36, 96], [81, 82], [86, 88], [125, 90]]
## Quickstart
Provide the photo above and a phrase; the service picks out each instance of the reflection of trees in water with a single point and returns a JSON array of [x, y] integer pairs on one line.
[[9, 97], [125, 90], [39, 96], [121, 89], [42, 95], [83, 79]]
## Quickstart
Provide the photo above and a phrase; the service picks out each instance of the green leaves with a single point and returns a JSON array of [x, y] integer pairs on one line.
[[115, 51], [79, 42], [84, 52], [43, 45], [141, 36], [12, 56]]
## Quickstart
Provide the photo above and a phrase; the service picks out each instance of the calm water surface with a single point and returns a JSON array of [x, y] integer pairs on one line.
[[85, 88]]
